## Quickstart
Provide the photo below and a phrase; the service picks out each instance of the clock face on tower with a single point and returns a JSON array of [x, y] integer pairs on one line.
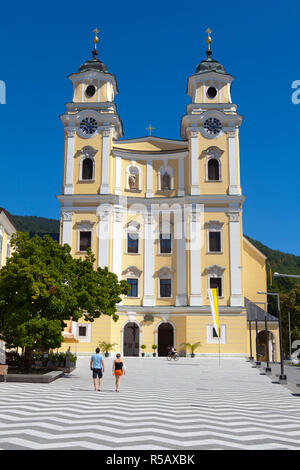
[[88, 125], [212, 126]]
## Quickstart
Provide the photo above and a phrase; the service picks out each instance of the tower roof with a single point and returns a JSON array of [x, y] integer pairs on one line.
[[94, 64], [209, 65]]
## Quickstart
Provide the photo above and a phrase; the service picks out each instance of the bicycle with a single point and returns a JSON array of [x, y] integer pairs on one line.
[[172, 356]]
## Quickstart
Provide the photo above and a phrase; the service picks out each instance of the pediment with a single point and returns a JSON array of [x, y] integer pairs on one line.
[[150, 144]]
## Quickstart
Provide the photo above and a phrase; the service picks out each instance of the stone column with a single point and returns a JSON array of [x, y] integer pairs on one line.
[[181, 190], [70, 132], [67, 216], [148, 298], [181, 298], [118, 175], [103, 235], [236, 298], [196, 242], [194, 171], [233, 183], [117, 240], [104, 188], [149, 190]]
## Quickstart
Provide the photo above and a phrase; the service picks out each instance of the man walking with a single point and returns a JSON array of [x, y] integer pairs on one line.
[[97, 366]]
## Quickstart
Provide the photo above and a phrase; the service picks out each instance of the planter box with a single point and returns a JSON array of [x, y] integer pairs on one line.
[[33, 378]]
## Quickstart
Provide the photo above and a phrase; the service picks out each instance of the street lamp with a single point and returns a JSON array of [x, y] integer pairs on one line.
[[286, 275], [267, 369], [282, 376]]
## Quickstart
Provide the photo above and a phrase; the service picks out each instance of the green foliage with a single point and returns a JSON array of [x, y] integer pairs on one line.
[[42, 286], [143, 346], [191, 347], [32, 224], [106, 347], [154, 346], [288, 288]]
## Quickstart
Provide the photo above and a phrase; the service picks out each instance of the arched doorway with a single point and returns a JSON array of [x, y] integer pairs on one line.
[[165, 338], [131, 339], [262, 347]]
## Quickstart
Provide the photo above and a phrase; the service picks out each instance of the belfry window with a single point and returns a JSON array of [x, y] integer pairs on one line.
[[216, 283], [87, 169], [132, 242], [133, 283], [165, 287], [85, 240], [214, 241], [165, 243], [213, 170]]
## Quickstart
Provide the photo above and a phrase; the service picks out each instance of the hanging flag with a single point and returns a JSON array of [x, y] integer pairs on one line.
[[213, 300], [70, 326]]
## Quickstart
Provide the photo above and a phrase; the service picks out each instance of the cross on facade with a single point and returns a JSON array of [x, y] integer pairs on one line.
[[150, 129]]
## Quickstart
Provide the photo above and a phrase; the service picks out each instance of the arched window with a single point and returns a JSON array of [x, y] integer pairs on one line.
[[213, 170], [165, 179], [87, 169]]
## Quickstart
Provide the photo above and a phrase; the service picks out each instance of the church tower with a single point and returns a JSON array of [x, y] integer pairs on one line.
[[211, 127], [91, 122]]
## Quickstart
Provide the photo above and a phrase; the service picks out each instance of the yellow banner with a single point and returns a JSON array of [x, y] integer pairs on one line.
[[213, 300]]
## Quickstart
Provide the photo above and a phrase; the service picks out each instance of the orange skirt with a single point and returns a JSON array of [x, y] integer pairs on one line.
[[118, 372]]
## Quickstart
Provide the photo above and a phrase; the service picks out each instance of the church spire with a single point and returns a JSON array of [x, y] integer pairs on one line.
[[208, 40], [95, 41]]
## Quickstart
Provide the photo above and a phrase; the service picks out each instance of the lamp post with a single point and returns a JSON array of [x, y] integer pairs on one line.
[[250, 327], [267, 369], [282, 377], [286, 275], [256, 340]]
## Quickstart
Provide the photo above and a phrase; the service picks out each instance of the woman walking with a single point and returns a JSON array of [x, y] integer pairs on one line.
[[117, 370]]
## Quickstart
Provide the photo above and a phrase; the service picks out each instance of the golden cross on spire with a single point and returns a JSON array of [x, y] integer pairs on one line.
[[150, 128], [208, 39], [96, 39]]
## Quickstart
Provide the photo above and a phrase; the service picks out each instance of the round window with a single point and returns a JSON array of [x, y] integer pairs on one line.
[[90, 91], [211, 92]]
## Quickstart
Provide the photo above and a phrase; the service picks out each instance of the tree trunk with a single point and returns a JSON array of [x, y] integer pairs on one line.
[[28, 359]]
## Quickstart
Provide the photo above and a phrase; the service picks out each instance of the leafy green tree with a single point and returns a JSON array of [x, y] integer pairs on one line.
[[42, 286], [290, 303]]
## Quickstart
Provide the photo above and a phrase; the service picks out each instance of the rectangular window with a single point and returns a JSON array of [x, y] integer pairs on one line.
[[133, 283], [215, 335], [85, 240], [132, 243], [165, 288], [82, 331], [216, 283], [214, 241], [165, 243]]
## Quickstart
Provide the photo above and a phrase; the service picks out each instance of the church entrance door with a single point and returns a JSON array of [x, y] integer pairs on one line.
[[165, 338], [131, 339]]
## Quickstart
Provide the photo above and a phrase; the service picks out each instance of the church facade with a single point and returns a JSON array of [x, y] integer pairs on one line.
[[165, 215]]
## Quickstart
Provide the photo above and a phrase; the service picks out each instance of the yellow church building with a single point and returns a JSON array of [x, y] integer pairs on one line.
[[163, 214]]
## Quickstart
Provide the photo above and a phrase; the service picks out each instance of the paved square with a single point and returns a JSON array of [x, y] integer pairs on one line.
[[190, 404]]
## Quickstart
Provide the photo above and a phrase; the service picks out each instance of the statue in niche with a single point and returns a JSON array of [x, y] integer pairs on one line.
[[133, 181], [166, 181]]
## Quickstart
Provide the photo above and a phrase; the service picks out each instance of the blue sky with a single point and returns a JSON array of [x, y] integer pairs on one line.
[[152, 48]]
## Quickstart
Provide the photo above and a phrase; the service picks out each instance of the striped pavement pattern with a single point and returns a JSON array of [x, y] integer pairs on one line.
[[191, 404]]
